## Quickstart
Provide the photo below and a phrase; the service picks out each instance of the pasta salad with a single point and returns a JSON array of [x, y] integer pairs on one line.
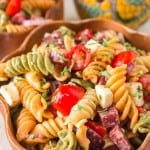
[[22, 15], [79, 90]]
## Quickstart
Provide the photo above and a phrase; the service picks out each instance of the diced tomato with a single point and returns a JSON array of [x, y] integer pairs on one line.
[[140, 109], [65, 97], [79, 57], [86, 33], [123, 58], [145, 80], [13, 7], [97, 127]]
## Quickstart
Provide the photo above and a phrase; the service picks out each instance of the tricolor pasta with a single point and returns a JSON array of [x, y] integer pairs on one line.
[[78, 90], [22, 15]]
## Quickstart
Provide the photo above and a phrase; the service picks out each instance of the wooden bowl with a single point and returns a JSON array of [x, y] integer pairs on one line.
[[11, 41], [137, 39]]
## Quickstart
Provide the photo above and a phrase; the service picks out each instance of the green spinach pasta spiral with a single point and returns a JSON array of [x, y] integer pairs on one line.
[[29, 62], [143, 125], [67, 140]]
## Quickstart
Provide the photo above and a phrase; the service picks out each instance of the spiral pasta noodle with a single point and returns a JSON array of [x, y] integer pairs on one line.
[[43, 48], [11, 28], [3, 76], [44, 4], [37, 81], [122, 99], [84, 109], [143, 60], [67, 140], [101, 58], [31, 99], [47, 130], [82, 137], [137, 72], [25, 123], [143, 125], [29, 62]]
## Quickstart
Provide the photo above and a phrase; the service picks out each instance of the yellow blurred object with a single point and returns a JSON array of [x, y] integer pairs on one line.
[[130, 12]]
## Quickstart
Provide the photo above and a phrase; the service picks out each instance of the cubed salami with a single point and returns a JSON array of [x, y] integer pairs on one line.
[[96, 141], [109, 118], [117, 136]]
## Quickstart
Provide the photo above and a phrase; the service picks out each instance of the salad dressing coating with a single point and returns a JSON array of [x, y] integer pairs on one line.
[[79, 87]]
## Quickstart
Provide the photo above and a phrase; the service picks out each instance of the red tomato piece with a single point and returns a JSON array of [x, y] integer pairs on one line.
[[145, 80], [88, 33], [13, 7], [140, 109], [79, 56], [123, 58], [97, 127], [66, 96]]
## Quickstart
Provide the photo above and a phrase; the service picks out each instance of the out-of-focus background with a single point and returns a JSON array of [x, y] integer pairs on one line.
[[72, 14]]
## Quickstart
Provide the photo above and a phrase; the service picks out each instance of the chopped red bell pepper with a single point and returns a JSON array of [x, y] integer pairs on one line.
[[65, 97]]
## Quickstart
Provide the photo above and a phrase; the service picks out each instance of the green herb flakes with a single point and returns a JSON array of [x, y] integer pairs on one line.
[[43, 82], [45, 95], [105, 74], [79, 107], [105, 43]]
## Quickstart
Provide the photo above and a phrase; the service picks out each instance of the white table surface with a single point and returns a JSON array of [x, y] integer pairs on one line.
[[70, 14]]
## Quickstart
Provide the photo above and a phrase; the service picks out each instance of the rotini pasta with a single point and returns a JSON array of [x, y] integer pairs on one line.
[[142, 125], [29, 62], [46, 130], [29, 14], [101, 58], [43, 48], [82, 138], [50, 146], [143, 60], [10, 28], [44, 4], [31, 99], [25, 123], [3, 76], [122, 99], [78, 91], [67, 140], [37, 80], [137, 72], [84, 109]]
